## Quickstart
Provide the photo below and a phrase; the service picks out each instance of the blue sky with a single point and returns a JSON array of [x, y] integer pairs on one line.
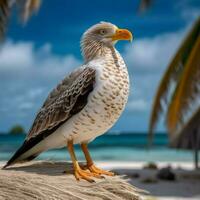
[[35, 57]]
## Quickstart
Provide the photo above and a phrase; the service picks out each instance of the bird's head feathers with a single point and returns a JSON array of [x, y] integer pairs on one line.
[[107, 33], [101, 35]]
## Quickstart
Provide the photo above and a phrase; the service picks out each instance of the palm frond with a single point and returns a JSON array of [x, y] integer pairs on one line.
[[4, 13], [26, 8], [190, 132], [144, 5], [187, 90], [171, 75]]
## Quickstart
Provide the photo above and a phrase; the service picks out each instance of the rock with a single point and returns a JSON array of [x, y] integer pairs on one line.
[[135, 175], [166, 173], [150, 165]]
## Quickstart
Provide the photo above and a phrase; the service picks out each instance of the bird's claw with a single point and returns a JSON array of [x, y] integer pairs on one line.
[[82, 174], [99, 171], [85, 174]]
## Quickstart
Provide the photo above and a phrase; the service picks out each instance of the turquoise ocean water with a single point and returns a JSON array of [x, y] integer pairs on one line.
[[112, 147]]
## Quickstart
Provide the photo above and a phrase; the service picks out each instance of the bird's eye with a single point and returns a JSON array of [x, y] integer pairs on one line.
[[102, 31]]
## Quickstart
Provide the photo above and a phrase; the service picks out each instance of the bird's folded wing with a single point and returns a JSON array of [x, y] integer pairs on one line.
[[63, 102], [67, 99]]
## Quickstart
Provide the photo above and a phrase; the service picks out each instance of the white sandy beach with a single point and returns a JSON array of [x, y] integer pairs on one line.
[[186, 185]]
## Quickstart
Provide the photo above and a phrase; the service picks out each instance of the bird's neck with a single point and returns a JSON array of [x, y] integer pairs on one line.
[[93, 50]]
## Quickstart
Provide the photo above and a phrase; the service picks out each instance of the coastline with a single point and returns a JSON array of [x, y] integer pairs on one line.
[[138, 165], [109, 165]]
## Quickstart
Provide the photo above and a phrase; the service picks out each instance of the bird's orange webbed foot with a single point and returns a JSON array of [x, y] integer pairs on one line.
[[80, 173], [99, 171], [90, 165]]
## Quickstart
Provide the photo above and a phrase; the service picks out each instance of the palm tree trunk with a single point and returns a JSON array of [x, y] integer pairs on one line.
[[196, 156]]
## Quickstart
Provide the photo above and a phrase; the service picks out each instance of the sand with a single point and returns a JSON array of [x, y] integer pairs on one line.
[[185, 187], [45, 178]]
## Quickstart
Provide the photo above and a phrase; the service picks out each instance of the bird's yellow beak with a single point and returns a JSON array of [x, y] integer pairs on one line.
[[122, 34]]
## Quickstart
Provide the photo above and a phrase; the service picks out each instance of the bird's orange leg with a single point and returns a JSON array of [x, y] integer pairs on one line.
[[78, 172], [90, 164]]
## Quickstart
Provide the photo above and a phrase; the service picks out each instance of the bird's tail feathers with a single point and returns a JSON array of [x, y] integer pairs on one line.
[[23, 154]]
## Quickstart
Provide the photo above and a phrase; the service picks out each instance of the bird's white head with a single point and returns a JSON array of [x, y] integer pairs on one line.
[[101, 36]]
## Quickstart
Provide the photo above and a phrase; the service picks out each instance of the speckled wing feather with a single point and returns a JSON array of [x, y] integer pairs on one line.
[[63, 101], [67, 99]]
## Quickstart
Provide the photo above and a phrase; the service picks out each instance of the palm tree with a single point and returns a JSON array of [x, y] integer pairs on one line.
[[25, 7], [179, 89], [189, 136]]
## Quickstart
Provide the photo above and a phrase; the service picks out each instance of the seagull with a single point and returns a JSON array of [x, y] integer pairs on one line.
[[85, 104]]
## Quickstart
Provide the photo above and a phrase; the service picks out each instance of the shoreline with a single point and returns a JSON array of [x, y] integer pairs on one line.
[[130, 164], [139, 165]]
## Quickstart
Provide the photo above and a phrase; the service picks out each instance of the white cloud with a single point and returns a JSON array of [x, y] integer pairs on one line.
[[27, 75], [25, 105], [137, 105], [151, 55], [24, 58], [35, 93], [16, 56], [147, 59]]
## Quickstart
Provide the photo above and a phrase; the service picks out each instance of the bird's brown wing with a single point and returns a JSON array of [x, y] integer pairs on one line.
[[66, 100]]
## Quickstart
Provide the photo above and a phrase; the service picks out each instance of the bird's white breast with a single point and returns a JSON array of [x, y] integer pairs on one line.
[[105, 103]]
